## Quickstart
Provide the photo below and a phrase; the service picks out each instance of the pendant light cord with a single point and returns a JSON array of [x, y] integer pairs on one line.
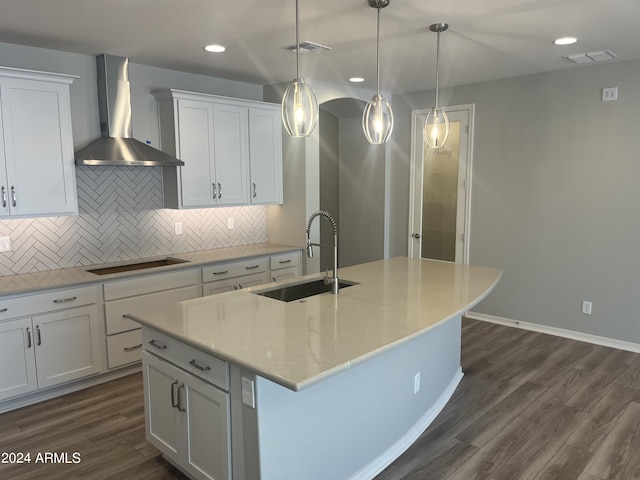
[[378, 53], [297, 40], [437, 62]]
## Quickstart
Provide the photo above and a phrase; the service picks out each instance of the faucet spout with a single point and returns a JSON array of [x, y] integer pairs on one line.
[[334, 279]]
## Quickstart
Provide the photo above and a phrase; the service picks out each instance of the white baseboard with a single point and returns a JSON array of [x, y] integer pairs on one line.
[[558, 332]]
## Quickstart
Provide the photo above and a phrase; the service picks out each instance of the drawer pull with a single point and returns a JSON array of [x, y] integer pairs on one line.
[[253, 267], [221, 273], [65, 300], [194, 364], [282, 262], [174, 403], [2, 310], [131, 349], [154, 343]]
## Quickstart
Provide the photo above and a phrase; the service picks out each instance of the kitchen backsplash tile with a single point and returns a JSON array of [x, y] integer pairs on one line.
[[121, 218]]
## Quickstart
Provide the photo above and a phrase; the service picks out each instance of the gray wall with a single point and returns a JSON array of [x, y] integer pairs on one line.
[[555, 193], [329, 181], [120, 209]]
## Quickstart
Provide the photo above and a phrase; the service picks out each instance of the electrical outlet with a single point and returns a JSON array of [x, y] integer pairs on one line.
[[178, 228], [586, 307], [230, 224], [5, 244], [416, 383], [248, 393]]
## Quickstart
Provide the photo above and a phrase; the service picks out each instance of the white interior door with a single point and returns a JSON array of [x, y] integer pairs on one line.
[[440, 190]]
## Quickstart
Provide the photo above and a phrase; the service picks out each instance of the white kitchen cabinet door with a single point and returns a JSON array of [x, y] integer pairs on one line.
[[195, 149], [253, 280], [17, 360], [38, 148], [265, 154], [219, 286], [231, 153], [208, 430], [66, 345], [283, 274], [162, 417]]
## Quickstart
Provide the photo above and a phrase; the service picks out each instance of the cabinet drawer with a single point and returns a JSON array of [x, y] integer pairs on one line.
[[234, 269], [285, 260], [47, 302], [124, 348], [115, 310], [149, 284], [200, 364]]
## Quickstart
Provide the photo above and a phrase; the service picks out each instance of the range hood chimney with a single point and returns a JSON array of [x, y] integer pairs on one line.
[[116, 145]]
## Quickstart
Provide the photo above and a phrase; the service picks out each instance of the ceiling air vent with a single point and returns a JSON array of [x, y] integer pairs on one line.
[[591, 57], [308, 47]]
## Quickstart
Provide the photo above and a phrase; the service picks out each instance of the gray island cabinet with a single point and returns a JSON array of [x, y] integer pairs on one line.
[[242, 386]]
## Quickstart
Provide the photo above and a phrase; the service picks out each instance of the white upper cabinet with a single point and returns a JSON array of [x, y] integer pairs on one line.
[[232, 150], [265, 128], [37, 174]]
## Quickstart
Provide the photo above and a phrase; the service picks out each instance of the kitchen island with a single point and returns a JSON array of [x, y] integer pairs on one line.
[[243, 386]]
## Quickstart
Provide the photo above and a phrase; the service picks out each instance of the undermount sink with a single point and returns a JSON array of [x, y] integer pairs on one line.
[[289, 293], [128, 267]]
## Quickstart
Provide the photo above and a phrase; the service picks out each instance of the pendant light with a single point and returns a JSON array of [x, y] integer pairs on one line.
[[299, 104], [377, 118], [436, 125]]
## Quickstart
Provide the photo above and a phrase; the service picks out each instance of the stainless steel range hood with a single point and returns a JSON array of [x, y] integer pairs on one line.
[[116, 146]]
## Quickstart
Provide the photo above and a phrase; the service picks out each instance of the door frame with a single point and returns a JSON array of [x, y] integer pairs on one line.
[[416, 167]]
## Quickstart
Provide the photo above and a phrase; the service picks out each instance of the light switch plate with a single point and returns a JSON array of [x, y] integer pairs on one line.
[[248, 392]]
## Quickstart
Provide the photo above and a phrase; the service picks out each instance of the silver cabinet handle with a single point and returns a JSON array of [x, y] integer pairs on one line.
[[254, 189], [65, 300], [180, 409], [39, 342], [174, 403], [235, 287], [194, 364], [221, 273], [214, 190], [240, 286], [28, 337], [154, 343], [219, 191], [14, 200], [4, 197], [416, 235], [274, 279], [2, 310], [131, 349], [284, 261], [252, 267]]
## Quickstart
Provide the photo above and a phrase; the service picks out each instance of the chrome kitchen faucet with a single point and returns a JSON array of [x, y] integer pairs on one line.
[[334, 280]]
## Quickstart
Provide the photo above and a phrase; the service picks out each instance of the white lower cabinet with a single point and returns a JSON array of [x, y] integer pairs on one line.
[[187, 419], [226, 277], [41, 349], [286, 266]]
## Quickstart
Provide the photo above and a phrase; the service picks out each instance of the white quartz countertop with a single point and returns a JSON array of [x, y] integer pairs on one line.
[[300, 343], [67, 277]]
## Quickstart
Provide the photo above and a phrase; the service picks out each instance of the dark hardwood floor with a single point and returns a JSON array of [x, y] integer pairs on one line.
[[530, 406]]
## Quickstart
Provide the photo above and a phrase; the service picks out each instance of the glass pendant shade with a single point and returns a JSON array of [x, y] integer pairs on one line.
[[299, 109], [436, 128], [377, 120]]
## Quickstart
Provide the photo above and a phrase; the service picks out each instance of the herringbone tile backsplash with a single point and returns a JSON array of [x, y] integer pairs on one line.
[[121, 218]]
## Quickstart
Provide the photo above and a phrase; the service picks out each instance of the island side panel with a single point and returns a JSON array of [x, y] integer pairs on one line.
[[352, 425]]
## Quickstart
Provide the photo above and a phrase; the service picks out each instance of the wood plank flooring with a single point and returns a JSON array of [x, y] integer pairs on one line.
[[530, 406]]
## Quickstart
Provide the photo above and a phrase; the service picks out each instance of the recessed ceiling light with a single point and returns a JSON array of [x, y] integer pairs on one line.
[[565, 41], [356, 79], [215, 48]]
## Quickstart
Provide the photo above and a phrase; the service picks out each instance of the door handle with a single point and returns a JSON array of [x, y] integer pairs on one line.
[[219, 191], [214, 190], [39, 342], [14, 199], [180, 409], [254, 189], [28, 337], [174, 403], [4, 197]]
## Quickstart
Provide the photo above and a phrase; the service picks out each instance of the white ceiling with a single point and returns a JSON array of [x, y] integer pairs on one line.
[[486, 40]]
